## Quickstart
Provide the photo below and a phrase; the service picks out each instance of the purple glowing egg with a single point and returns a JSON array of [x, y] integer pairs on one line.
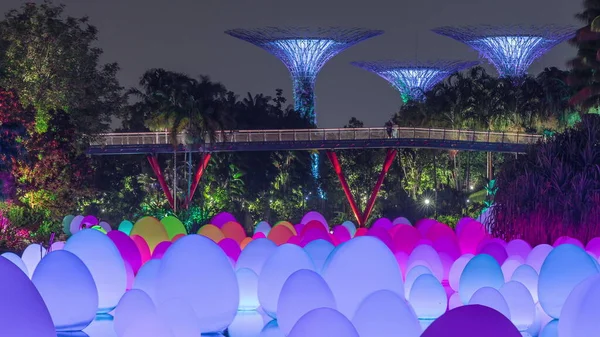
[[128, 249], [341, 233], [222, 218], [383, 223], [161, 249], [231, 248], [314, 216], [460, 322]]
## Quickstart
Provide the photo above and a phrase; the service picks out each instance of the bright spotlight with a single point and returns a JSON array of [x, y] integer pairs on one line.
[[427, 201], [471, 187]]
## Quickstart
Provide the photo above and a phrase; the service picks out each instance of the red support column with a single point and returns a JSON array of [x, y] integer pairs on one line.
[[199, 172], [161, 178], [338, 170], [389, 159]]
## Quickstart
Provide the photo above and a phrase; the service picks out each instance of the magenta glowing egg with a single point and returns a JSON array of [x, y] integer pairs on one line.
[[412, 275], [526, 275], [259, 235], [195, 269], [428, 297], [593, 246], [134, 306], [406, 238], [439, 230], [314, 216], [456, 270], [231, 248], [383, 223], [566, 266], [318, 251], [350, 226], [248, 285], [295, 240], [495, 250], [285, 261], [383, 235], [491, 298], [538, 255], [147, 277], [402, 259], [568, 240], [128, 249], [262, 227], [470, 236], [68, 290], [14, 258], [302, 292], [460, 322], [520, 304], [481, 271], [423, 225], [323, 322], [23, 310], [461, 223], [427, 256], [518, 247], [341, 233], [360, 232], [510, 265], [32, 255], [314, 225], [143, 248], [579, 315], [385, 313], [88, 221], [299, 227], [366, 261], [312, 234], [447, 245], [401, 221], [161, 249], [222, 218], [255, 255]]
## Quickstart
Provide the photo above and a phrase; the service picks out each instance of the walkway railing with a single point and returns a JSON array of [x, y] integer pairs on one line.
[[303, 135]]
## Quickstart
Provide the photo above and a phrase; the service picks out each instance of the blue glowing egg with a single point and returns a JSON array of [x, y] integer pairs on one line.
[[323, 322], [319, 250], [412, 275], [262, 227], [481, 271], [428, 297], [385, 313]]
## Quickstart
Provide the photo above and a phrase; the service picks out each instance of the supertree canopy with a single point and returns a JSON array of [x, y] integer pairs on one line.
[[413, 79], [304, 51], [511, 49]]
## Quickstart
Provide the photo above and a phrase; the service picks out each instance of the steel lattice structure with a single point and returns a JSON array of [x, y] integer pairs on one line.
[[511, 49], [304, 51], [412, 79]]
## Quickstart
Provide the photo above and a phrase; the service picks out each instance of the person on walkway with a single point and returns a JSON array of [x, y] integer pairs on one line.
[[389, 127]]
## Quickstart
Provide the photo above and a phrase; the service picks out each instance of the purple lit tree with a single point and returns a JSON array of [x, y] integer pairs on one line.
[[413, 79], [511, 49], [304, 52]]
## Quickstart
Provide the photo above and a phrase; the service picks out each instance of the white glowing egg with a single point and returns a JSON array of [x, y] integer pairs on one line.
[[303, 291], [428, 297], [537, 256], [481, 271], [196, 269], [255, 254], [23, 310], [32, 255], [491, 298], [367, 262], [103, 260], [527, 276], [427, 256], [14, 258], [248, 285], [319, 250], [384, 313], [510, 265], [565, 267], [520, 304], [179, 316], [147, 278], [323, 322], [412, 275], [286, 260], [135, 305], [68, 289], [456, 270], [579, 315]]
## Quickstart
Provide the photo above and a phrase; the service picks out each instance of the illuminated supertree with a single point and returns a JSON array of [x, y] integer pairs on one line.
[[304, 51], [413, 79], [511, 49]]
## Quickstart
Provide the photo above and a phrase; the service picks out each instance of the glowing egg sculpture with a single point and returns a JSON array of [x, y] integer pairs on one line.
[[373, 266], [537, 256], [248, 286], [314, 216], [75, 225], [491, 298], [180, 317], [234, 230], [427, 256], [126, 226], [460, 322], [406, 238], [66, 224], [495, 250], [222, 218], [384, 313], [103, 260], [579, 315], [383, 223], [231, 248], [255, 255], [151, 230], [134, 306], [194, 268], [518, 247], [128, 249], [350, 226], [565, 267], [32, 255], [323, 322], [383, 235], [428, 297], [147, 278], [143, 248], [471, 234], [285, 261], [520, 304], [262, 227], [23, 310], [212, 232], [161, 249], [68, 289], [280, 235], [318, 251], [510, 265], [412, 275], [401, 220], [302, 292], [173, 226], [14, 258], [527, 276], [481, 271]]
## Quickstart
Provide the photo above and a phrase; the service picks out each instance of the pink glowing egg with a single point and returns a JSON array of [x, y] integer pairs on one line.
[[382, 234], [568, 240], [341, 233], [518, 247], [142, 247], [406, 238], [259, 235], [460, 224], [161, 249], [495, 250], [234, 230], [448, 246], [402, 259], [489, 240], [280, 235], [231, 248], [423, 225], [383, 223], [360, 232], [310, 216], [460, 322], [128, 249], [438, 230], [222, 218], [312, 234], [471, 235]]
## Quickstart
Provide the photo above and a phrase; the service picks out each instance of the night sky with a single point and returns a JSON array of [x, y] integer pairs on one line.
[[187, 36]]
